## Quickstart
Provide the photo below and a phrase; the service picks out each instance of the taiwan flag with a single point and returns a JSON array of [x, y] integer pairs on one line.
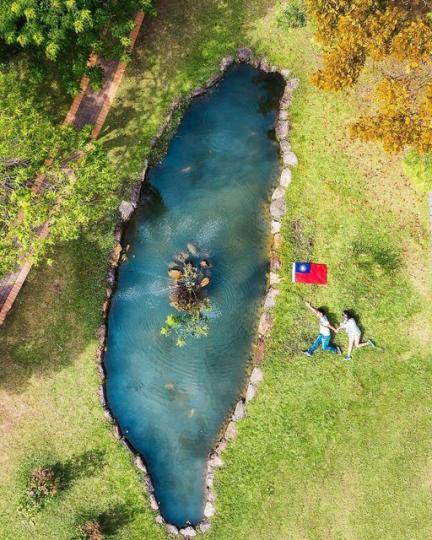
[[309, 272]]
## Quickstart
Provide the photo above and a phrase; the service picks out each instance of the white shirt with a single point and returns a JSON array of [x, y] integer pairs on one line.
[[351, 327], [324, 329]]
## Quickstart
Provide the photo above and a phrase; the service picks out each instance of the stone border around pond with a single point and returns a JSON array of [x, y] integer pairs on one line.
[[277, 211]]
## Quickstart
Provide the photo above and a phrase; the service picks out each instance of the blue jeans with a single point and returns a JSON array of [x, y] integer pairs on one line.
[[324, 341]]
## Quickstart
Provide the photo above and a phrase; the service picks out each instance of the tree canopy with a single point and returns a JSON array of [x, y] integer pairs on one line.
[[79, 186], [65, 32], [396, 34]]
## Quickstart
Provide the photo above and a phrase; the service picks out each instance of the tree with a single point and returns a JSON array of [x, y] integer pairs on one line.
[[68, 30], [79, 187], [397, 35]]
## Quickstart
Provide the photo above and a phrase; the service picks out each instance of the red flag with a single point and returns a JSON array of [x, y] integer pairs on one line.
[[309, 272]]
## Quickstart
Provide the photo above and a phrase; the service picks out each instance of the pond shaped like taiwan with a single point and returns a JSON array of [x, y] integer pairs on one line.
[[210, 190]]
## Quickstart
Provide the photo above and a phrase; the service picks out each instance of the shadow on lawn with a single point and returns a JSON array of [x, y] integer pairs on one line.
[[56, 315]]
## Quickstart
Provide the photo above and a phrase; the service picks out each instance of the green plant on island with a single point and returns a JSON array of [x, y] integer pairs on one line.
[[189, 276]]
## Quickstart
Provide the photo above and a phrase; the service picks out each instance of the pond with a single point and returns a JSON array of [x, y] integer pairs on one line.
[[210, 190]]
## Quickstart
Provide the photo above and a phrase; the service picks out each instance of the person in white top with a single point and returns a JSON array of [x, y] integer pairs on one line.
[[350, 326], [324, 336]]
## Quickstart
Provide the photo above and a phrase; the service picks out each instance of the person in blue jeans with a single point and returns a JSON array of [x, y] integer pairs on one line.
[[324, 336]]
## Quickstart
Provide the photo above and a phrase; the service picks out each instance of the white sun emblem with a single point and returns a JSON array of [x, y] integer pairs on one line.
[[303, 268]]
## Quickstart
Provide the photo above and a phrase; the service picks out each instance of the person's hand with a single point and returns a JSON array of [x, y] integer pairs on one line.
[[308, 304]]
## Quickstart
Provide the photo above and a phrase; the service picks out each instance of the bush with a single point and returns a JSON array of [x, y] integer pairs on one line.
[[42, 484], [292, 15], [91, 530]]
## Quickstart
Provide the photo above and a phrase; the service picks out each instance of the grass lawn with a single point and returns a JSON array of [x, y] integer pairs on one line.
[[329, 449]]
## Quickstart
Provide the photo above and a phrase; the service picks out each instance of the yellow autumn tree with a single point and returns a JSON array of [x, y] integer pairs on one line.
[[397, 34]]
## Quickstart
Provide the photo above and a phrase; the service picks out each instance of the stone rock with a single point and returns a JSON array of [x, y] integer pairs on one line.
[[199, 91], [116, 433], [171, 529], [270, 300], [244, 54], [285, 102], [274, 278], [214, 80], [265, 324], [282, 129], [274, 69], [264, 64], [209, 510], [209, 480], [101, 333], [111, 277], [256, 376], [292, 84], [221, 447], [250, 393], [284, 146], [204, 527], [278, 193], [283, 115], [148, 484], [107, 415], [115, 254], [144, 171], [285, 178], [239, 411], [231, 431], [159, 519], [140, 464], [216, 461], [153, 503], [188, 532], [210, 496], [277, 208], [275, 227], [289, 159], [275, 262], [226, 62], [260, 351], [277, 241], [285, 73]]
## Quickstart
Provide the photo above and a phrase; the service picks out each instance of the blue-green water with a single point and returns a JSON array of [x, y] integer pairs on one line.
[[210, 190]]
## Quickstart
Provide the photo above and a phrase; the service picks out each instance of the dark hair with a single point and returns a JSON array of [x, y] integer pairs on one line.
[[347, 313], [321, 310]]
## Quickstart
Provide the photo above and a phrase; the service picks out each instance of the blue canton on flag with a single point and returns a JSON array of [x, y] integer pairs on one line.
[[302, 267]]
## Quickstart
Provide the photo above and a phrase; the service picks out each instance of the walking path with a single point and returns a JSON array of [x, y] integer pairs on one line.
[[88, 107]]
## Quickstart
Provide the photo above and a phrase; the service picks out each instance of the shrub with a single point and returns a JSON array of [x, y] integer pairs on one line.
[[42, 484], [91, 530], [292, 15]]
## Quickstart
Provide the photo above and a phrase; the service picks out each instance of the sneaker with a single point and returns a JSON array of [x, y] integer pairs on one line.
[[347, 357], [307, 353], [371, 343], [339, 350]]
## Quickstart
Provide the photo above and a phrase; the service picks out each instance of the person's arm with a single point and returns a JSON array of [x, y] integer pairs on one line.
[[314, 310]]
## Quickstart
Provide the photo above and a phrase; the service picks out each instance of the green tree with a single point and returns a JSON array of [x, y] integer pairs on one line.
[[79, 187], [65, 32]]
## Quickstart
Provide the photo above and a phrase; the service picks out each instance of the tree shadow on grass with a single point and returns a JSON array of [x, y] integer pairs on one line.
[[80, 466], [56, 314], [111, 520]]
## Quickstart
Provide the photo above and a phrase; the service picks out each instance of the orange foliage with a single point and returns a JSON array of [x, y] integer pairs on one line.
[[352, 31]]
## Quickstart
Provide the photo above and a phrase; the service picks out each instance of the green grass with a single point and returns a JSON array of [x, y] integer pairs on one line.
[[329, 449]]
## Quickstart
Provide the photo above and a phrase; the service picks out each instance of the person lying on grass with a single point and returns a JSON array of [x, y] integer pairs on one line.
[[324, 336], [350, 326]]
